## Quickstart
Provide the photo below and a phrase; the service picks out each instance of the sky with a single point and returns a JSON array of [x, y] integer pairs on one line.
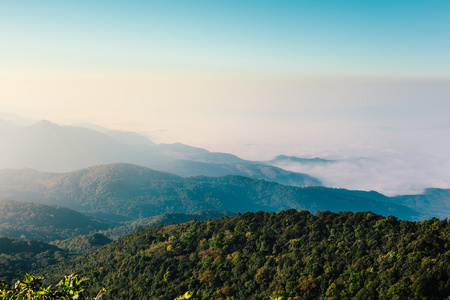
[[336, 79]]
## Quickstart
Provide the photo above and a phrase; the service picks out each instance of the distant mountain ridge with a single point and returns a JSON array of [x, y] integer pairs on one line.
[[188, 168], [46, 146], [432, 202], [294, 159], [49, 147], [119, 192]]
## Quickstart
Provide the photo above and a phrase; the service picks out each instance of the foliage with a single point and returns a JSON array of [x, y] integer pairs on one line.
[[31, 288], [83, 244], [19, 256], [163, 219], [286, 255]]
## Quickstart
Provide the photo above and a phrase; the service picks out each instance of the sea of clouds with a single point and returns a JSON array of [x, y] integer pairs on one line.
[[388, 173]]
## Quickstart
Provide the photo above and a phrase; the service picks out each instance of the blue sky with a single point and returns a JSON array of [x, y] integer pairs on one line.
[[336, 79], [250, 38]]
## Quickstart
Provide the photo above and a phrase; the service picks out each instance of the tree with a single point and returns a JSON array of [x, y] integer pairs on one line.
[[31, 288]]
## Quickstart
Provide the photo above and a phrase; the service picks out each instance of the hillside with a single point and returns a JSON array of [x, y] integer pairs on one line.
[[19, 256], [163, 219], [432, 202], [274, 256], [43, 222], [188, 168], [124, 192], [83, 243]]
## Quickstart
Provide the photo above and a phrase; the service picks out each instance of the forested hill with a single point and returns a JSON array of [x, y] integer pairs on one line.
[[163, 219], [44, 222], [274, 256], [19, 256], [120, 192]]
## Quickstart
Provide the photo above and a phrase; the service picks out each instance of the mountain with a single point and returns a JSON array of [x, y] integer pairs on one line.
[[285, 255], [163, 219], [46, 146], [188, 168], [130, 138], [120, 192], [182, 151], [49, 147], [44, 222], [431, 203], [19, 256], [83, 243], [91, 126], [284, 159], [126, 137]]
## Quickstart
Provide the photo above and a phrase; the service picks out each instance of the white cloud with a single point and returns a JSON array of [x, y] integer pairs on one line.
[[388, 173]]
